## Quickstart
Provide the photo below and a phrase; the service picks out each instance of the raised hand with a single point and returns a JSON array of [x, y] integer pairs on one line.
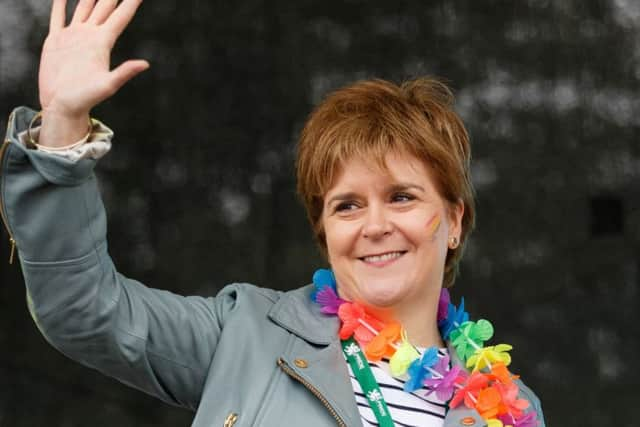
[[75, 73]]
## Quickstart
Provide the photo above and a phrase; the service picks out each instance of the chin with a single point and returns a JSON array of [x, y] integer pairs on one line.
[[382, 295]]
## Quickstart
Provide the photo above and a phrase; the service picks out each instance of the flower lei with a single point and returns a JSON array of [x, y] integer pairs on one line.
[[489, 388]]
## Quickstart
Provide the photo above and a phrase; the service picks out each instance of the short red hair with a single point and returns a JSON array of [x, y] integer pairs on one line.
[[372, 118]]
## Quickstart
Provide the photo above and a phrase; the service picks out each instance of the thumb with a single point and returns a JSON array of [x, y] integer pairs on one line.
[[125, 72]]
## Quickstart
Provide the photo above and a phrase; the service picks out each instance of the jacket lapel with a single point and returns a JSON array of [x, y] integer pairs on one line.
[[317, 357]]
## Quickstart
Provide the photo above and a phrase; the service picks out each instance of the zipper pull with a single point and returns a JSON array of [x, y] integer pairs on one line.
[[13, 249], [231, 419]]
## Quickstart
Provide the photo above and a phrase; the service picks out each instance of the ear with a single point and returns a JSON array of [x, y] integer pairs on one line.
[[456, 213]]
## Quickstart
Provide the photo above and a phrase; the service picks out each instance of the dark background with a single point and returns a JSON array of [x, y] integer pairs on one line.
[[200, 190]]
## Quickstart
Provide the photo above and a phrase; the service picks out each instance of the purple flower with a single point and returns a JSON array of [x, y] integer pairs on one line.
[[328, 300], [445, 386], [443, 304], [526, 420]]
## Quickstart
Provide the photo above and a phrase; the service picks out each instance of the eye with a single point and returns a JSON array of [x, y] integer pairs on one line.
[[345, 206], [402, 197]]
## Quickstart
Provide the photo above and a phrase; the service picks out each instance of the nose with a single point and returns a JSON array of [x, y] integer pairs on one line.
[[376, 222]]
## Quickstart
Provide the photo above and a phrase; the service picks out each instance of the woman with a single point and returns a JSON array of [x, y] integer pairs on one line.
[[383, 173]]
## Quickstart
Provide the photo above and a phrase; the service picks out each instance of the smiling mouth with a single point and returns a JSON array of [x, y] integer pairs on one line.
[[382, 258]]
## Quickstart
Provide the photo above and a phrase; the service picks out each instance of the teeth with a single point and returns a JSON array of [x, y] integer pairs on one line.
[[383, 257]]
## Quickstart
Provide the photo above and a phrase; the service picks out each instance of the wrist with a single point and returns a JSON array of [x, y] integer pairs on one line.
[[60, 129]]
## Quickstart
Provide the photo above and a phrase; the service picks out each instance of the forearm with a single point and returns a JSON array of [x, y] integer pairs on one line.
[[154, 340], [53, 211], [27, 179]]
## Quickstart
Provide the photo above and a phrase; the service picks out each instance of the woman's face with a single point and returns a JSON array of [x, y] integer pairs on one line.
[[387, 232]]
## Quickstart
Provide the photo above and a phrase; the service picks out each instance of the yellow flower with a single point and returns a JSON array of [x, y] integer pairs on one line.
[[403, 357], [488, 355]]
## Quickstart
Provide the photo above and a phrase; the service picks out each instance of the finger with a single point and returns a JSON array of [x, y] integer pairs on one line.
[[101, 11], [58, 15], [121, 17], [125, 72], [83, 10]]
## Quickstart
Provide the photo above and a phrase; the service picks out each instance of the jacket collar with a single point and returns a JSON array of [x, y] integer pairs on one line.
[[295, 312]]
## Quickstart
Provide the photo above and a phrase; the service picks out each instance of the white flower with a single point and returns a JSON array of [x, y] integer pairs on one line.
[[374, 396], [352, 349]]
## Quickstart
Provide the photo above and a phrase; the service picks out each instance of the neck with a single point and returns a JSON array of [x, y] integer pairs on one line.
[[418, 317], [422, 331]]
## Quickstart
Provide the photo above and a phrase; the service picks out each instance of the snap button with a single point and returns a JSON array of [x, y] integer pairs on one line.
[[301, 363], [468, 421]]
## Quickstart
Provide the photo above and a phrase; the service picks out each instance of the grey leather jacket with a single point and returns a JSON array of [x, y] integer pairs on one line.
[[247, 357]]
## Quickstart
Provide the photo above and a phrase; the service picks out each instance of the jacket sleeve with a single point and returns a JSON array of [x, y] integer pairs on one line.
[[153, 340]]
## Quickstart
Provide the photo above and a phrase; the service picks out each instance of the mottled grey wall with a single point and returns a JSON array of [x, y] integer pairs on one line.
[[199, 185]]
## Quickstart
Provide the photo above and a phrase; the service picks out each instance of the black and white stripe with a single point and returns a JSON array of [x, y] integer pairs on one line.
[[406, 409]]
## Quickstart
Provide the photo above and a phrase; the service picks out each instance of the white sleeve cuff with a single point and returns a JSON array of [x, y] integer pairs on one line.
[[96, 145]]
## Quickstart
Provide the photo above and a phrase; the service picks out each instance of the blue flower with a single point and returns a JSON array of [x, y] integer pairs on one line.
[[321, 279], [419, 370], [455, 318]]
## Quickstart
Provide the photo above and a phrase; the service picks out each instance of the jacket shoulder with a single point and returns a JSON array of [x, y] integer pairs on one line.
[[534, 401], [244, 297], [263, 295], [248, 290], [256, 300]]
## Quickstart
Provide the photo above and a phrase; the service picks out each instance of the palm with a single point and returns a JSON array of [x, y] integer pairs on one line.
[[75, 70]]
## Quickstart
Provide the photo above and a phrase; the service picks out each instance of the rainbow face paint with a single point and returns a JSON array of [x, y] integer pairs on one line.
[[433, 225]]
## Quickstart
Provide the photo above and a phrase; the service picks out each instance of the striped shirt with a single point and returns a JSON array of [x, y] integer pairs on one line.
[[406, 409]]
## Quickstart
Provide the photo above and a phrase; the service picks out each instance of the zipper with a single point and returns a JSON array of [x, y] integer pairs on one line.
[[12, 241], [293, 374]]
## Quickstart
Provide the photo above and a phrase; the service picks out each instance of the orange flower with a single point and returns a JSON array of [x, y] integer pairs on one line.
[[382, 344], [500, 373], [489, 403]]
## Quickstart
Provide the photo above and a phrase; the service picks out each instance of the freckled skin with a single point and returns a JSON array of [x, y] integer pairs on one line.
[[369, 212]]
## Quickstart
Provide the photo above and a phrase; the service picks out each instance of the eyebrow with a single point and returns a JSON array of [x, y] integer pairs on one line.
[[401, 186], [405, 186]]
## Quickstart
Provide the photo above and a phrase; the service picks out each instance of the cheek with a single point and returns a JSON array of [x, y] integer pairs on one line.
[[427, 232], [422, 226], [338, 238], [433, 226]]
